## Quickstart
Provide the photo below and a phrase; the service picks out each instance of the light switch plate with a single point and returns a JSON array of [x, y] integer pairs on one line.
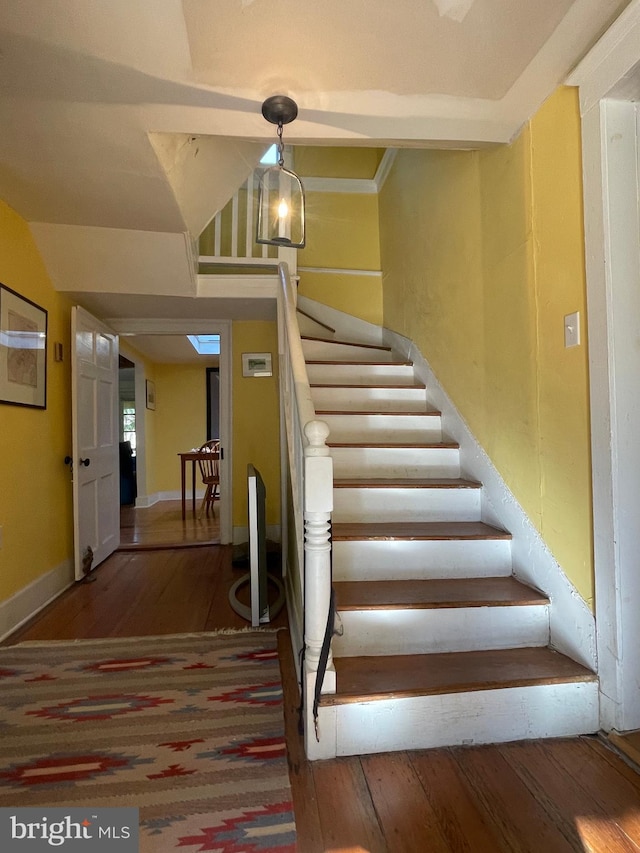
[[572, 329]]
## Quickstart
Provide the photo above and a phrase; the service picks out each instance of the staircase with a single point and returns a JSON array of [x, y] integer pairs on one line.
[[441, 644]]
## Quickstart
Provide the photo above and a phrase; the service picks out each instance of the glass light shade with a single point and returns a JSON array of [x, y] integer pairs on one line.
[[281, 209]]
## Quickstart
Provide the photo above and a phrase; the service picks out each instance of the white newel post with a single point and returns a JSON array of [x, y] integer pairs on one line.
[[318, 505]]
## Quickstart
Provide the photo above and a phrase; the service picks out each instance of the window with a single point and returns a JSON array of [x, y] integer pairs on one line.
[[129, 424]]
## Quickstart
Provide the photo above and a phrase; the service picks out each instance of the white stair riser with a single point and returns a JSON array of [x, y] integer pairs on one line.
[[482, 716], [361, 374], [395, 462], [329, 351], [362, 399], [382, 504], [455, 629], [384, 428], [355, 560]]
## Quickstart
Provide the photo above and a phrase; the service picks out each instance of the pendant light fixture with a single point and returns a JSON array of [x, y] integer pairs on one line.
[[281, 194]]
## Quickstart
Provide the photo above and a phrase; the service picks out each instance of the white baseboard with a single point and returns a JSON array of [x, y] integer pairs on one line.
[[156, 497], [572, 625], [31, 599]]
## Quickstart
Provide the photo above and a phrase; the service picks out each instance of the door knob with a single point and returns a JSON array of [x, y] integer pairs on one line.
[[85, 462]]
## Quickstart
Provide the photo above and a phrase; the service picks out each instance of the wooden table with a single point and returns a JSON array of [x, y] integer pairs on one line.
[[190, 456]]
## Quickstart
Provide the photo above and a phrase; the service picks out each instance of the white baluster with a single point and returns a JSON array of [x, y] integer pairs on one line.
[[217, 240], [234, 225], [250, 230]]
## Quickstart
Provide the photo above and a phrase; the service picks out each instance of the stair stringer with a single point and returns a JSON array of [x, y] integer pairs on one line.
[[572, 624], [347, 327]]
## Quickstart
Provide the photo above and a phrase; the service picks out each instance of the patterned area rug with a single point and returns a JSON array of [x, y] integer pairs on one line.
[[187, 728]]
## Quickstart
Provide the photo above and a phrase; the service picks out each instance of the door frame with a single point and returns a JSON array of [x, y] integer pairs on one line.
[[609, 82], [136, 326]]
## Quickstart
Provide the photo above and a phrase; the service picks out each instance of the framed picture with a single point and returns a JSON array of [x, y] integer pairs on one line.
[[23, 351], [256, 364], [151, 394]]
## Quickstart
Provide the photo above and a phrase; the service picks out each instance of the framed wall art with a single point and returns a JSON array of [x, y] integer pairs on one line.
[[256, 364], [23, 351], [151, 394]]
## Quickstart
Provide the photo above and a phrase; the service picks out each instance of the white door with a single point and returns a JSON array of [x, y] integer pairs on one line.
[[96, 462]]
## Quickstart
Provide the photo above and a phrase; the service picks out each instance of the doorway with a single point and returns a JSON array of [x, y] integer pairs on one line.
[[148, 345], [127, 430], [213, 403]]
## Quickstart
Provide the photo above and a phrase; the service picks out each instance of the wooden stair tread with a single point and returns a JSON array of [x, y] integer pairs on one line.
[[412, 530], [427, 413], [416, 386], [346, 343], [385, 445], [370, 678], [406, 483], [435, 593], [350, 363]]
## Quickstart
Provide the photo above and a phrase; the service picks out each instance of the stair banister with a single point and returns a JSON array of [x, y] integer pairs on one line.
[[311, 468]]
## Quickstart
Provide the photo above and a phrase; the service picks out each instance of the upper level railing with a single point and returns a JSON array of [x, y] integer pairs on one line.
[[311, 474], [230, 237]]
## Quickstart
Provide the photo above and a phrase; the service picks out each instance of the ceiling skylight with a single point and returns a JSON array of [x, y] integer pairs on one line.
[[205, 344], [270, 156]]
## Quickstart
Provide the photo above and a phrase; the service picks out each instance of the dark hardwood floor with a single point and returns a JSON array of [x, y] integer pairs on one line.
[[540, 797]]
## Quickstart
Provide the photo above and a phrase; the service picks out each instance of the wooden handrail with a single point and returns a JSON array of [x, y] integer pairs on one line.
[[304, 403]]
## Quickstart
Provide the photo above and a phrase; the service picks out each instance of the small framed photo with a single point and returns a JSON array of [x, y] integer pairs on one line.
[[256, 364], [23, 351], [151, 394]]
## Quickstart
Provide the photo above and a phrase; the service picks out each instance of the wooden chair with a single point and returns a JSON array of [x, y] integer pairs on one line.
[[210, 472]]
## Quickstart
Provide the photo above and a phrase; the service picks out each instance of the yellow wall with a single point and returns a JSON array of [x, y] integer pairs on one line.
[[256, 420], [563, 373], [482, 258], [342, 234], [35, 496], [179, 420], [320, 162]]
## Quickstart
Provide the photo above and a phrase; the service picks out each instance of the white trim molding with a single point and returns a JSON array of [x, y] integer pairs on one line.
[[388, 159], [612, 248], [355, 186], [609, 62], [332, 271]]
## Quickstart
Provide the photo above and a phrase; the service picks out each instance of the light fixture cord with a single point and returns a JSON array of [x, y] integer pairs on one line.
[[280, 146]]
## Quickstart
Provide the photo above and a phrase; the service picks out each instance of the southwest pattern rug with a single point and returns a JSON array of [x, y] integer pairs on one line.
[[187, 728]]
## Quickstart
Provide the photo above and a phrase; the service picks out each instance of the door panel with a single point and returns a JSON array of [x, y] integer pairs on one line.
[[96, 480]]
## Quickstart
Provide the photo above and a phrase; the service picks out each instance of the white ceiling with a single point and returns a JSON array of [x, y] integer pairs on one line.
[[126, 124]]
